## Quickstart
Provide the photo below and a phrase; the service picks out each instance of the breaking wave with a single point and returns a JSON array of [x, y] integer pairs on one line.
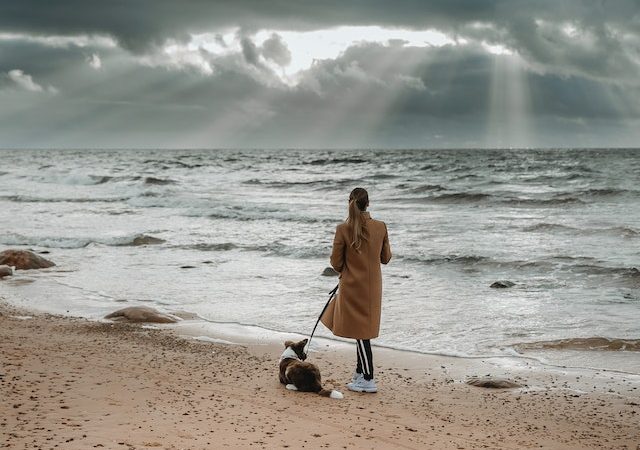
[[158, 181], [618, 231], [326, 161], [542, 201], [590, 343], [30, 199], [70, 243]]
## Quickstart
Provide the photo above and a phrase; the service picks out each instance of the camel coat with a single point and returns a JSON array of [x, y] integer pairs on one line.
[[355, 312]]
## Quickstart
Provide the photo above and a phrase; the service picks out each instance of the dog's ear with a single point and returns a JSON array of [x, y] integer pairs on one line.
[[288, 344]]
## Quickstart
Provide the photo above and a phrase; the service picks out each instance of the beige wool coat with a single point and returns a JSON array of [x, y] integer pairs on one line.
[[355, 312]]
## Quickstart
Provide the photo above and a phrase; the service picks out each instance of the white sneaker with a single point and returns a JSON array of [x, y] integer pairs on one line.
[[356, 376], [362, 385]]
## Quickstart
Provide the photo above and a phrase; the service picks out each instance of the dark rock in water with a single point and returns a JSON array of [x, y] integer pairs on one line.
[[207, 262], [140, 314], [143, 239], [502, 284], [5, 271], [44, 252], [24, 260], [492, 383], [329, 272], [187, 267]]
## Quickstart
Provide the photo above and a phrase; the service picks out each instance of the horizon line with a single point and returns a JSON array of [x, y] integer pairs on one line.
[[312, 148]]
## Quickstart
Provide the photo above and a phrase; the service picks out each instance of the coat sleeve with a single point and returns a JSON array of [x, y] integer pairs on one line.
[[338, 252], [385, 254]]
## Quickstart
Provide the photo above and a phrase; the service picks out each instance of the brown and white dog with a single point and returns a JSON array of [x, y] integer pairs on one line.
[[298, 375]]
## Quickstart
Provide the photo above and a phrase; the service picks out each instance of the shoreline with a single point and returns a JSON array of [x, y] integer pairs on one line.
[[549, 359], [82, 384], [225, 330]]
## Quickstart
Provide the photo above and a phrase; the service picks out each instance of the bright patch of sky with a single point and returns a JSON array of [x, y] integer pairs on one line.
[[307, 46]]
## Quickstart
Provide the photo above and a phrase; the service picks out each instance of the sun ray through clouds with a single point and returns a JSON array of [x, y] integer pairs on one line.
[[509, 115]]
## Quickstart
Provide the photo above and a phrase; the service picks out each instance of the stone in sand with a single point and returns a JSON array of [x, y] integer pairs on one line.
[[502, 284], [329, 272], [492, 383], [24, 260], [5, 271], [140, 314]]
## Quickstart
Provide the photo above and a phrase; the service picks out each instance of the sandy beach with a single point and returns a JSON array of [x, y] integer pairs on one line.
[[75, 384]]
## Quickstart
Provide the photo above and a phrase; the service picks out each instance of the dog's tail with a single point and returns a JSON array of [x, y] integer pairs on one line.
[[330, 393]]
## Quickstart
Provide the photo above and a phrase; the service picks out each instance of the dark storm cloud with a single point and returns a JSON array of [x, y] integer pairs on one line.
[[276, 50], [250, 51], [607, 46], [578, 76], [39, 60]]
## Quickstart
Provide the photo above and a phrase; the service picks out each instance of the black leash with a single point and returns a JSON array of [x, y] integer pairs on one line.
[[331, 295]]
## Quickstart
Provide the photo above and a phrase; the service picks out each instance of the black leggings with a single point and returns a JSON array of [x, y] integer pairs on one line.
[[365, 358]]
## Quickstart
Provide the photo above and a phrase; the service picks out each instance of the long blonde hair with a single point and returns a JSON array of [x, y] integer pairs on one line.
[[358, 202]]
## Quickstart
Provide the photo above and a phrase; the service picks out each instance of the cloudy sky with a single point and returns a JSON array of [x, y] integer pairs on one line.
[[319, 74]]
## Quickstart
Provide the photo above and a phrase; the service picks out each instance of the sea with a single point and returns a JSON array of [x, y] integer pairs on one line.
[[243, 237]]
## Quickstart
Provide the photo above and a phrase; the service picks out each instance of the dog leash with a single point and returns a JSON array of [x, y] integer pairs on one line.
[[331, 295]]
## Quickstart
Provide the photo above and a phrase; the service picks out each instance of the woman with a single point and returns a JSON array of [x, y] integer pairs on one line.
[[360, 245]]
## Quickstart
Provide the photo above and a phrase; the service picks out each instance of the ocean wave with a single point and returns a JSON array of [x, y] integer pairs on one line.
[[620, 231], [384, 176], [327, 161], [516, 201], [260, 214], [284, 184], [478, 197], [548, 227], [456, 197], [206, 247], [74, 179], [605, 192], [71, 243], [624, 231], [279, 249], [450, 259], [175, 162], [325, 184], [420, 189], [159, 181], [591, 269], [461, 197], [30, 199], [88, 180], [271, 249], [590, 343], [568, 264]]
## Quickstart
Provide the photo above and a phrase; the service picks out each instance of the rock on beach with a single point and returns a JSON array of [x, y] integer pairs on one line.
[[492, 383], [5, 271], [24, 260], [139, 314]]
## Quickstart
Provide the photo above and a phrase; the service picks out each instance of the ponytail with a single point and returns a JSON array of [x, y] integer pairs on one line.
[[358, 202]]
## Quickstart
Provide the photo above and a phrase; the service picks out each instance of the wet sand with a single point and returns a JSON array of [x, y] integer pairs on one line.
[[69, 383]]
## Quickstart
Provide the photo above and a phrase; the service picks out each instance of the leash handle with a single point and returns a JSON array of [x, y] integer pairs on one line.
[[331, 295]]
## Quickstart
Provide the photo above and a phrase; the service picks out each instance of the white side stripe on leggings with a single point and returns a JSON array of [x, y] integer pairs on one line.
[[363, 356]]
